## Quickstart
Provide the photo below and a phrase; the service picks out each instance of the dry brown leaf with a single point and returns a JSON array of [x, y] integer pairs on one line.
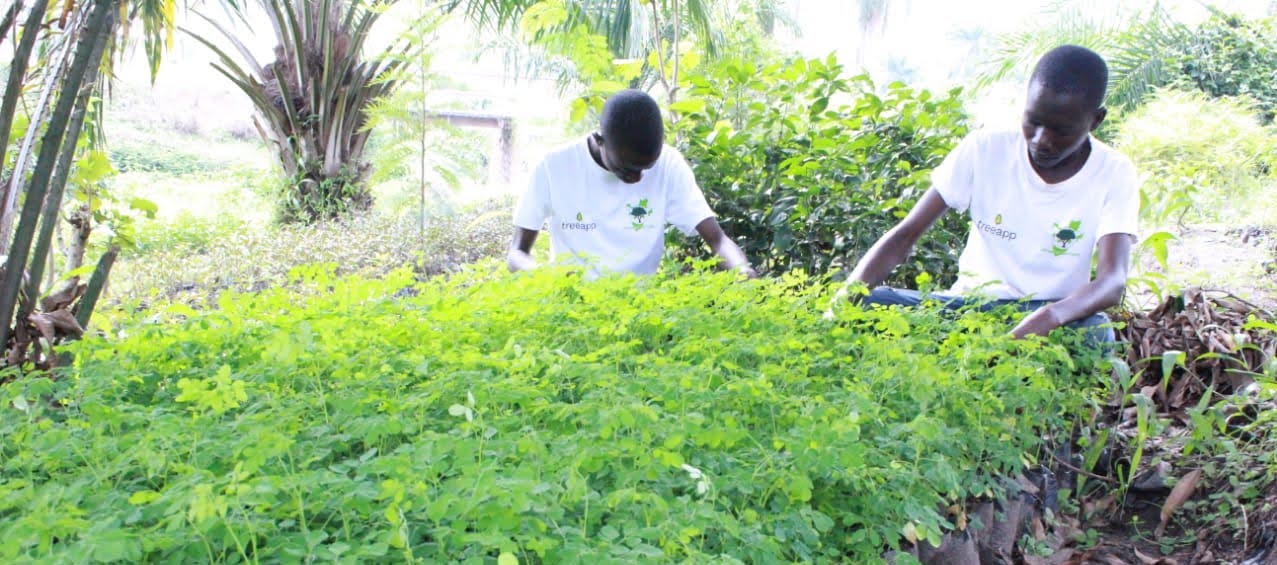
[[1146, 560], [1066, 556], [62, 297], [1182, 492], [44, 324], [65, 323], [1113, 559]]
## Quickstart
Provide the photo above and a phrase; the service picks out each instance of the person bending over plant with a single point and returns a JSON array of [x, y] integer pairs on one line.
[[608, 198], [1042, 202]]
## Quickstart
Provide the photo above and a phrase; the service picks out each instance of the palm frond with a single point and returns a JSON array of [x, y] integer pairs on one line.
[[1138, 59], [1136, 47]]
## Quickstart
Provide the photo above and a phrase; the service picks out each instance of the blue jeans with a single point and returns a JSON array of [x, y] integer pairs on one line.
[[1096, 327]]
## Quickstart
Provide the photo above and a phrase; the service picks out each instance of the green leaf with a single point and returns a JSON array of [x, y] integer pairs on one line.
[[1158, 243], [142, 497], [143, 205], [579, 109], [78, 272], [688, 106], [543, 16], [507, 559]]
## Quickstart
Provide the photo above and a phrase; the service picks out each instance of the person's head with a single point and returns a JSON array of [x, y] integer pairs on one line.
[[1065, 104], [631, 134]]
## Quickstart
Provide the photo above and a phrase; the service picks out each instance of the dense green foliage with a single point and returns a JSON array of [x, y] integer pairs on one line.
[[807, 167], [1231, 56], [665, 419], [1202, 159]]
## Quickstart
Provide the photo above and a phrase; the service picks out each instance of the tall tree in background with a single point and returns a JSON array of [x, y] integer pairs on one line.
[[312, 97], [611, 44]]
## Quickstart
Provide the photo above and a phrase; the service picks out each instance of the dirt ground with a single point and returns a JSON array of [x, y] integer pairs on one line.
[[1241, 261]]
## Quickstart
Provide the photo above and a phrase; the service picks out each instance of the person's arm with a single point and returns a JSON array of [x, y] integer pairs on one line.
[[519, 258], [726, 249], [894, 246], [1104, 292]]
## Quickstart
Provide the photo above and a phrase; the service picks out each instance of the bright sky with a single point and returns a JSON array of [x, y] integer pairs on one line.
[[933, 37]]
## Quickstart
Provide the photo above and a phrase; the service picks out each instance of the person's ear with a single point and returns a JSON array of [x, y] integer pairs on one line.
[[1100, 114]]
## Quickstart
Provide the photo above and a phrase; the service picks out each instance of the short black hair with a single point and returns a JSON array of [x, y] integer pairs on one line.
[[632, 119], [1070, 69]]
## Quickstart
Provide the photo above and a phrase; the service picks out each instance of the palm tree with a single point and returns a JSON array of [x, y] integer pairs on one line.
[[75, 47], [312, 97], [646, 37]]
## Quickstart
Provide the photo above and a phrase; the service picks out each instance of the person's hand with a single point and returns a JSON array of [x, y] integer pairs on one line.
[[848, 293], [747, 271], [1040, 322]]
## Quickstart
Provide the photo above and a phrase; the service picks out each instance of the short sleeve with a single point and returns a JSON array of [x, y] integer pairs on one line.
[[954, 179], [534, 206], [1121, 209], [685, 203]]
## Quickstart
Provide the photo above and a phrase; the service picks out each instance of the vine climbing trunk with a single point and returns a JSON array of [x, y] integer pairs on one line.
[[50, 148]]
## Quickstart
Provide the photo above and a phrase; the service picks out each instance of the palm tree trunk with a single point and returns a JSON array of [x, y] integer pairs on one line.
[[57, 187], [50, 146], [56, 66], [84, 310], [17, 72], [9, 17]]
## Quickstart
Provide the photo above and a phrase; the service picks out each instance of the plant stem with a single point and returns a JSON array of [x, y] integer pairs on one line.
[[656, 44], [1088, 474]]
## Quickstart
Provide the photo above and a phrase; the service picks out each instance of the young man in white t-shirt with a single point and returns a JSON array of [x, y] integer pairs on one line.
[[1042, 201], [608, 198]]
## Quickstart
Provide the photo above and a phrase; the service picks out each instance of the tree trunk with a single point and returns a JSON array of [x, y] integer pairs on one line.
[[9, 17], [17, 72], [50, 146], [81, 221], [84, 310], [57, 186], [56, 66]]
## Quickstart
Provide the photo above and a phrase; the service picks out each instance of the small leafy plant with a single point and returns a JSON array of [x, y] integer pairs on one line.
[[533, 417]]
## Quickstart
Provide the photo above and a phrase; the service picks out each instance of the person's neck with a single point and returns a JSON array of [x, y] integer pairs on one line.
[[592, 145], [1068, 168]]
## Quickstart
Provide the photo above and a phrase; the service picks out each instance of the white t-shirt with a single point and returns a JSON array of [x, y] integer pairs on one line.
[[1030, 239], [597, 220]]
